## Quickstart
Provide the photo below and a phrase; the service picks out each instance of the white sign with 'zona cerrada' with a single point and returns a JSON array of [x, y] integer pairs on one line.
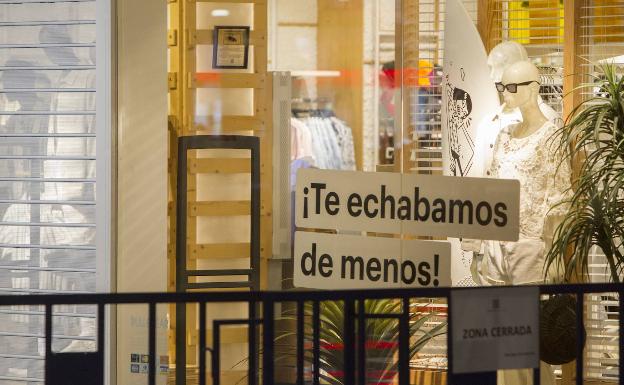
[[424, 205]]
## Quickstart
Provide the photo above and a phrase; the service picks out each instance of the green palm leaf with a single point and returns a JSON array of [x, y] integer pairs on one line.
[[594, 134]]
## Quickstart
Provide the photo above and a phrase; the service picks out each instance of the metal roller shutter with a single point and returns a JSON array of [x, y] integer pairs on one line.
[[47, 176]]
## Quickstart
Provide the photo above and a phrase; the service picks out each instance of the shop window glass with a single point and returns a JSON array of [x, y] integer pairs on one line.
[[602, 41], [538, 25]]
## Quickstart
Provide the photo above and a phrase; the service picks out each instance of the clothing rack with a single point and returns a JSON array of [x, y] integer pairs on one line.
[[551, 86], [319, 137], [312, 107]]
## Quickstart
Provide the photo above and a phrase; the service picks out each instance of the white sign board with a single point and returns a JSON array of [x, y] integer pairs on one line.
[[468, 98], [329, 261], [425, 205], [495, 329], [469, 93]]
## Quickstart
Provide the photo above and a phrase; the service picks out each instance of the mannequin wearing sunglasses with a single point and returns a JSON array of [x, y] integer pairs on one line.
[[523, 152], [500, 58], [519, 87]]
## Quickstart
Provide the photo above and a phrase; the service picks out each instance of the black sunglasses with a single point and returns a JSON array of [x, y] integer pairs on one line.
[[512, 87]]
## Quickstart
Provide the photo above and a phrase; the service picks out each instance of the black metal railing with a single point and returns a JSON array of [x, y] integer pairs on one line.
[[64, 368]]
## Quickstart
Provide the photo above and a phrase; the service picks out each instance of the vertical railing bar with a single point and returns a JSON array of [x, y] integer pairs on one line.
[[101, 331], [537, 376], [580, 305], [621, 337], [202, 343], [404, 337], [48, 342], [180, 252], [361, 367], [101, 328], [252, 345], [268, 354], [316, 341], [152, 344], [449, 340], [349, 341], [300, 340], [216, 353]]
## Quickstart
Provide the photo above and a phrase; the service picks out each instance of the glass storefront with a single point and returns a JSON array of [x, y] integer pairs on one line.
[[385, 99], [365, 90]]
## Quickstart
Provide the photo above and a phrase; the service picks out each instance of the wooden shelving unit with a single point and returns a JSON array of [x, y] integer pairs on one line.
[[185, 82]]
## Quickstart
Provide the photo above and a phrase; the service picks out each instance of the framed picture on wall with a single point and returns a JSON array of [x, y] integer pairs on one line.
[[230, 47]]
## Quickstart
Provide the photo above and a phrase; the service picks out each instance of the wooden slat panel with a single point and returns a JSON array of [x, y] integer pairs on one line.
[[229, 123], [261, 58], [263, 106], [489, 22], [219, 208], [219, 250], [229, 80], [233, 1], [256, 38], [220, 166]]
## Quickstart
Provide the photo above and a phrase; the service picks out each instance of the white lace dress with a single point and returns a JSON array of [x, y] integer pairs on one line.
[[544, 184]]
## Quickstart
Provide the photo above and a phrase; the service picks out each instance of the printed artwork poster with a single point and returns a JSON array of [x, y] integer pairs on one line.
[[468, 96], [230, 47]]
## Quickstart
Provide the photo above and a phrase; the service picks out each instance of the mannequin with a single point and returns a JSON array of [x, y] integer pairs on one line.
[[504, 55], [523, 96], [500, 58], [522, 152]]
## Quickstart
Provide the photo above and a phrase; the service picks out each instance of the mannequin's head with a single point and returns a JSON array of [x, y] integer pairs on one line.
[[525, 76], [504, 55]]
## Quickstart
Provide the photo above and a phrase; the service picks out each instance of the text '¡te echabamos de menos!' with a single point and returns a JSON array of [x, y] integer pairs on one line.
[[318, 200]]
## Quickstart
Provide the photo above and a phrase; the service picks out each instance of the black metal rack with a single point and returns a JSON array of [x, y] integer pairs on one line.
[[183, 274]]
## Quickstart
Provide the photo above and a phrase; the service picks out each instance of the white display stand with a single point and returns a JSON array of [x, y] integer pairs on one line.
[[465, 75]]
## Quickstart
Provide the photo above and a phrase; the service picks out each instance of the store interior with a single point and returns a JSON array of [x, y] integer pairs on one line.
[[351, 106], [337, 85]]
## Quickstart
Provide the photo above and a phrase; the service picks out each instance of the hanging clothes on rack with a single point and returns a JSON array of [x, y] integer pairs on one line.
[[323, 140], [326, 142]]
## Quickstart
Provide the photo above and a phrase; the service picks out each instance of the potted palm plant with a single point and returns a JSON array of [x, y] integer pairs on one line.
[[594, 137], [381, 340]]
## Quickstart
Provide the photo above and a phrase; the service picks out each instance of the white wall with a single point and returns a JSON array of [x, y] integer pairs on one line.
[[293, 31], [142, 173]]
